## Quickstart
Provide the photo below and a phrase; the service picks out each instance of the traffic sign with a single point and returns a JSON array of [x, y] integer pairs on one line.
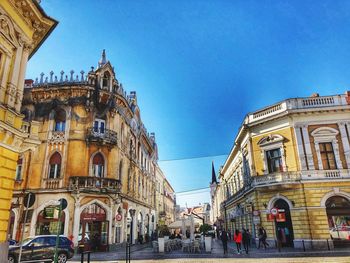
[[29, 200], [118, 217], [63, 203], [274, 211]]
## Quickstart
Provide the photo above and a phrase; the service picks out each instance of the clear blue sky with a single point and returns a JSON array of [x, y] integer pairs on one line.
[[199, 66]]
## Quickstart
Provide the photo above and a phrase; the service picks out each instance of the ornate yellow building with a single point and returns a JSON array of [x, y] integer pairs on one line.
[[23, 28], [95, 152], [293, 156]]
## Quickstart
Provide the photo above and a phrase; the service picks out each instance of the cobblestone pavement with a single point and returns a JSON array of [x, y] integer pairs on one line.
[[144, 253]]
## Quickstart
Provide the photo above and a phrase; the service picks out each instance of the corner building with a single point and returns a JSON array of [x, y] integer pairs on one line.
[[92, 149], [24, 26], [293, 156]]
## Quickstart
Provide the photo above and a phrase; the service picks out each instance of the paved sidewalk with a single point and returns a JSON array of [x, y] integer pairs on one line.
[[145, 251]]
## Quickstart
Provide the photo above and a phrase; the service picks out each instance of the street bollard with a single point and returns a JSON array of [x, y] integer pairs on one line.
[[329, 248], [303, 245]]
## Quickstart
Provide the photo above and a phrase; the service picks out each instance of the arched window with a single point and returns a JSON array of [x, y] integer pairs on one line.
[[98, 165], [120, 170], [19, 169], [60, 120], [55, 166]]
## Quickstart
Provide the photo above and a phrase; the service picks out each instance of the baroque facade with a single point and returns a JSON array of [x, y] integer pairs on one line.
[[24, 26], [291, 159], [93, 151]]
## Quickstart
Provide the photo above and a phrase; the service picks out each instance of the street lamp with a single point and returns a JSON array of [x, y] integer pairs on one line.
[[132, 213]]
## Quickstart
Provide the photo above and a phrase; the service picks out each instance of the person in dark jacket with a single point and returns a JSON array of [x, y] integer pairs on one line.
[[224, 238], [262, 237], [246, 240]]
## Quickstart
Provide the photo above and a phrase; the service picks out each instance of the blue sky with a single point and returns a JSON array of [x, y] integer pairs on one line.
[[199, 66]]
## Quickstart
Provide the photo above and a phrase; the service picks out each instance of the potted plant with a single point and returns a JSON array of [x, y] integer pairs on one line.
[[205, 228], [163, 231]]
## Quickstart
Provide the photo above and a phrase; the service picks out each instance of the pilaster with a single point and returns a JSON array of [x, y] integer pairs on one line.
[[308, 151]]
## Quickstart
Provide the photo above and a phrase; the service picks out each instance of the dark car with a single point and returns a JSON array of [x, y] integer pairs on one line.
[[42, 249]]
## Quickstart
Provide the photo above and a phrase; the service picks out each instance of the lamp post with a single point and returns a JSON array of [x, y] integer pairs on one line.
[[132, 213]]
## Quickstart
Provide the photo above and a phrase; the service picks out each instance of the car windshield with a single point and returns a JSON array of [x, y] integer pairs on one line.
[[26, 241]]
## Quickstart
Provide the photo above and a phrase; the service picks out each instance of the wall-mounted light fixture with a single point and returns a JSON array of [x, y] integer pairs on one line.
[[265, 205]]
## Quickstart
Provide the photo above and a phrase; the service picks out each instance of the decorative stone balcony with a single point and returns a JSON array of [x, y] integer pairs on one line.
[[276, 178], [105, 137], [94, 184], [52, 183]]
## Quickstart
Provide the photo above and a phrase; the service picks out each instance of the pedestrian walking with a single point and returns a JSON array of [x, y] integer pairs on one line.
[[224, 238], [237, 237], [262, 237], [246, 240]]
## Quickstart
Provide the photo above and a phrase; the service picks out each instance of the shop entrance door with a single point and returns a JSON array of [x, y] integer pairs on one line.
[[93, 232], [284, 230]]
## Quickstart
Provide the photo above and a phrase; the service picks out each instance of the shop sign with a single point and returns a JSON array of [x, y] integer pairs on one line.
[[118, 217], [256, 212], [256, 220], [281, 217], [92, 217], [270, 217]]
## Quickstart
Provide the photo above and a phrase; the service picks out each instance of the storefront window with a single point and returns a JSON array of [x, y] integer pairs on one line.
[[47, 222], [338, 214]]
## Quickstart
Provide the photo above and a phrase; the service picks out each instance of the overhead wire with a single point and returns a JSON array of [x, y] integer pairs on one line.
[[191, 158]]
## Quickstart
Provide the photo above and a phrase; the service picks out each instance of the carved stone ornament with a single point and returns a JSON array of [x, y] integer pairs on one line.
[[7, 29]]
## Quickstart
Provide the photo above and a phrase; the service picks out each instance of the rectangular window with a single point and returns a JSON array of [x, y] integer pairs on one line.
[[99, 126], [274, 161], [327, 156], [19, 172], [55, 170]]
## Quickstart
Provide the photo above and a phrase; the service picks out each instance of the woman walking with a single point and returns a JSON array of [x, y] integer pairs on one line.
[[237, 237], [224, 238], [262, 237]]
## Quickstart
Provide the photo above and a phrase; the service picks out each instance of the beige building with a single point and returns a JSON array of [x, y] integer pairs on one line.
[[24, 26], [289, 171], [94, 151]]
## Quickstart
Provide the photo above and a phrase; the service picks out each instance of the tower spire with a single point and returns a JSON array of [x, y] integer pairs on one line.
[[213, 175], [103, 59]]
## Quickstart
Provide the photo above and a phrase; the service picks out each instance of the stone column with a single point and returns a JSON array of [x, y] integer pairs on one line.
[[76, 222], [12, 84], [345, 141], [20, 81], [5, 77], [300, 148], [308, 151]]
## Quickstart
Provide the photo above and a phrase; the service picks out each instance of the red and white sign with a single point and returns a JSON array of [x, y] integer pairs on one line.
[[281, 217], [118, 217], [274, 211], [270, 217]]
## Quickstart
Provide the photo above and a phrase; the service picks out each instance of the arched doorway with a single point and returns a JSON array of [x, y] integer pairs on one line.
[[338, 215], [284, 227], [93, 230], [47, 221]]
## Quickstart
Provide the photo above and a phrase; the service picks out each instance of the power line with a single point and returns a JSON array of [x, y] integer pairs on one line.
[[191, 158], [192, 190]]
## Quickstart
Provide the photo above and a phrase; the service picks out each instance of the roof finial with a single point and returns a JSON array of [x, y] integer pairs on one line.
[[103, 59]]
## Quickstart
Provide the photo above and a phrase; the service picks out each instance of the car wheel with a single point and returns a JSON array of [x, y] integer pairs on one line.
[[11, 259], [62, 258]]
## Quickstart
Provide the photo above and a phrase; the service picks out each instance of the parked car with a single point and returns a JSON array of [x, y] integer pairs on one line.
[[340, 232], [12, 242], [42, 248]]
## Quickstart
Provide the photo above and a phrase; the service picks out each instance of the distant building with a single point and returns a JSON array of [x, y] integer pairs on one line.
[[291, 163], [201, 214], [24, 26], [93, 150]]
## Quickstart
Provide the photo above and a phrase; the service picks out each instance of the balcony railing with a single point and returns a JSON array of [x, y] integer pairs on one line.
[[283, 177], [52, 183], [103, 136], [326, 174], [94, 184]]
